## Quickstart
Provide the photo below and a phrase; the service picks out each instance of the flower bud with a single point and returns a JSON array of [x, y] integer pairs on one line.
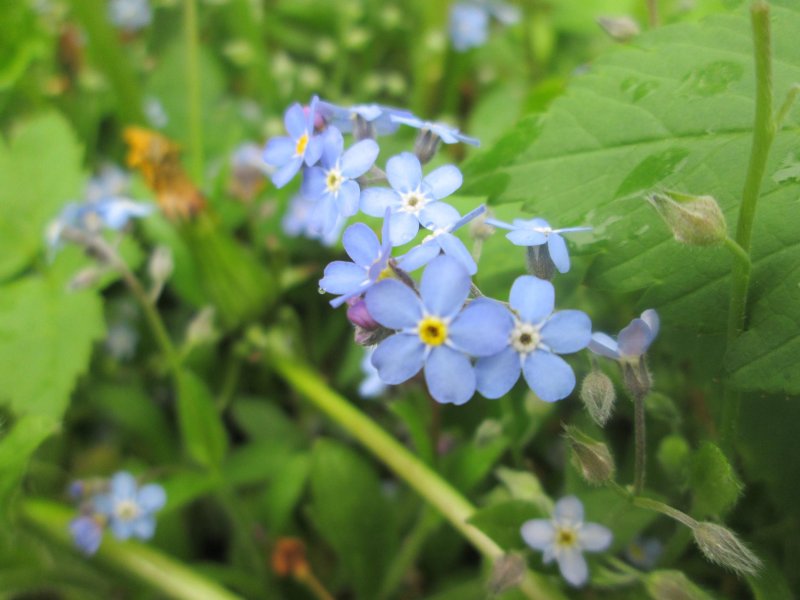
[[289, 558], [161, 265], [636, 377], [620, 29], [721, 546], [363, 129], [539, 262], [673, 585], [426, 145], [590, 457], [201, 329], [694, 220], [598, 396], [507, 572]]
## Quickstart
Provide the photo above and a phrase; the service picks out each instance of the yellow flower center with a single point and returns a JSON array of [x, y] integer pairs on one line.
[[566, 538], [333, 180], [386, 273], [302, 142], [432, 331], [126, 510]]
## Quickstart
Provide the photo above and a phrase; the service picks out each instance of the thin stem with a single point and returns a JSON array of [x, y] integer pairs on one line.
[[427, 483], [763, 135], [315, 586], [665, 509], [412, 546], [193, 92], [640, 435], [738, 253], [786, 107], [652, 13]]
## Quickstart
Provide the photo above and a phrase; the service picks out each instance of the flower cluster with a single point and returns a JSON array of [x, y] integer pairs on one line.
[[119, 504]]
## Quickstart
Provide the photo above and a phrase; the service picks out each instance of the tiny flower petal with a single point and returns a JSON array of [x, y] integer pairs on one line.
[[399, 357], [295, 120], [532, 298], [558, 252], [573, 567], [342, 277], [393, 305], [568, 510], [444, 287], [635, 338], [450, 376], [538, 533], [151, 497], [404, 172], [359, 158], [482, 328], [594, 537], [361, 244], [548, 375], [497, 374], [567, 331], [604, 345], [444, 181], [375, 201]]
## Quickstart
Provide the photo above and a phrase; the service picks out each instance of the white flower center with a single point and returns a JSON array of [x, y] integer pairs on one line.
[[333, 180], [525, 337], [126, 510], [566, 538], [413, 202]]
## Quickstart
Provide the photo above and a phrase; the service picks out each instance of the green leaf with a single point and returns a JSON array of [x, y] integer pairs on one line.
[[40, 170], [715, 486], [673, 111], [16, 448], [502, 521], [286, 491], [201, 427], [353, 515]]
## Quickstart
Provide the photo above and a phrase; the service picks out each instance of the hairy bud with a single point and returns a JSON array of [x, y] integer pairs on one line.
[[507, 572], [721, 546], [673, 585], [426, 145], [590, 457], [539, 262], [694, 220], [636, 377], [620, 29], [598, 396]]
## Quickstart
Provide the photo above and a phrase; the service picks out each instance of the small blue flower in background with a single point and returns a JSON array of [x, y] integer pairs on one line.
[[442, 240], [130, 15], [632, 342], [288, 153], [372, 386], [110, 181], [435, 331], [87, 533], [449, 135], [469, 26], [370, 262], [533, 344], [155, 113], [130, 509], [565, 537], [334, 183], [343, 118], [413, 201], [535, 232], [644, 552], [302, 217]]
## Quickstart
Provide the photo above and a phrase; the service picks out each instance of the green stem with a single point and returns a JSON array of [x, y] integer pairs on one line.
[[652, 13], [428, 484], [640, 434], [763, 135], [738, 253], [193, 93], [166, 576], [664, 509], [788, 103]]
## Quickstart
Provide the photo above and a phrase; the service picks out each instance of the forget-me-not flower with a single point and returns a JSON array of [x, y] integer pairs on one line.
[[434, 331], [288, 153], [632, 342], [535, 232], [130, 509], [370, 263], [302, 217], [442, 239], [469, 26], [130, 15], [87, 533], [372, 385], [413, 200], [446, 133], [334, 183], [534, 343], [565, 537], [345, 117]]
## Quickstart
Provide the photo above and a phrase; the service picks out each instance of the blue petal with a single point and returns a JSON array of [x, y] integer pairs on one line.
[[635, 339], [295, 120], [403, 228], [87, 534], [419, 256], [455, 248], [444, 287], [103, 504], [359, 158], [567, 331], [438, 215], [284, 175], [404, 172], [573, 566], [444, 181], [604, 345], [393, 305], [342, 277], [361, 244], [121, 529], [314, 183], [532, 298], [548, 375], [482, 328], [279, 151], [375, 201], [650, 317], [526, 237], [539, 534], [558, 252], [398, 358], [449, 375], [152, 497], [123, 486], [332, 146], [348, 198], [324, 217], [568, 511], [313, 150], [497, 374], [594, 537], [144, 527]]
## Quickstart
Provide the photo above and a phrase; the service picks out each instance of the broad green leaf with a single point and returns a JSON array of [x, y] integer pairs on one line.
[[201, 427], [715, 487], [673, 111], [41, 170], [502, 521], [353, 515], [16, 447], [285, 492]]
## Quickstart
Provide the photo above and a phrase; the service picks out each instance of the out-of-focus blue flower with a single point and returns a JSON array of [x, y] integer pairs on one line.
[[449, 135], [302, 217], [372, 386], [155, 113], [87, 533], [535, 232], [248, 171], [344, 117], [644, 552], [536, 339], [565, 537], [442, 240], [632, 342], [288, 153], [130, 15], [111, 181], [412, 199], [130, 509], [334, 183], [469, 26], [370, 262], [434, 331]]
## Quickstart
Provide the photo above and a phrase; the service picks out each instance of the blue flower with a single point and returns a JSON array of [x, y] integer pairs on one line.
[[632, 342], [535, 232], [301, 146], [303, 218], [370, 263], [344, 118], [565, 537], [130, 15], [110, 181], [533, 344], [130, 509], [372, 386], [334, 182], [412, 199], [434, 331], [442, 240], [87, 533], [644, 552], [469, 26], [449, 135]]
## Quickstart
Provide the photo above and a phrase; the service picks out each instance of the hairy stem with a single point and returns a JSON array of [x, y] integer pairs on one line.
[[640, 442], [664, 509]]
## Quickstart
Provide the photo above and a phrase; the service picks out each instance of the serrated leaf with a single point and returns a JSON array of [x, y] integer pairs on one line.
[[201, 426], [715, 487], [502, 521], [673, 111]]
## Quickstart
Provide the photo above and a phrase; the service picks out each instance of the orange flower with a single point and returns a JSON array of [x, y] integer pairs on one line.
[[289, 558]]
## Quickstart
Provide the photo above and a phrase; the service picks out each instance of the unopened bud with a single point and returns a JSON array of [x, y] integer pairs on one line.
[[598, 396], [363, 129], [86, 278], [721, 546], [201, 329], [479, 229], [507, 572], [426, 145], [694, 220], [590, 457], [289, 558], [636, 377], [161, 265], [358, 314], [620, 29], [539, 262], [673, 585]]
